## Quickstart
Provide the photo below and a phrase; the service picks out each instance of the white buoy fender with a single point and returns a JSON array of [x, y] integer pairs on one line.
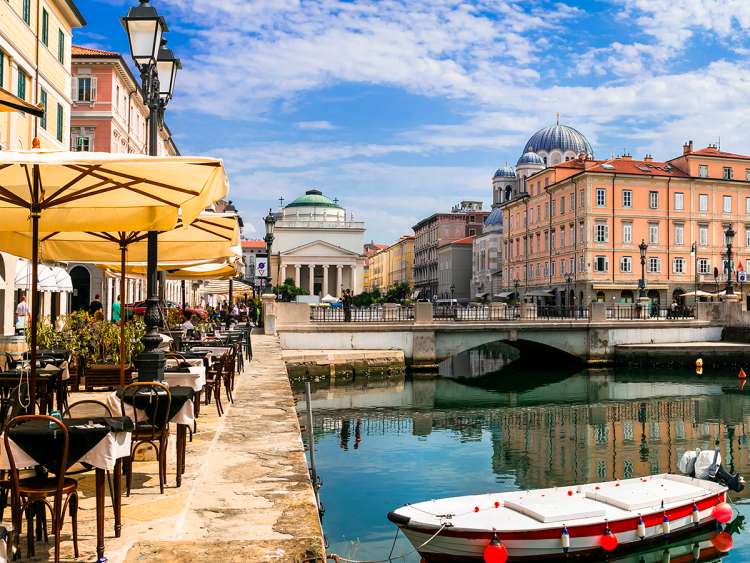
[[641, 529]]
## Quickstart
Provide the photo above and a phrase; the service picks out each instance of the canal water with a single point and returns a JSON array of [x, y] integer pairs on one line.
[[483, 426]]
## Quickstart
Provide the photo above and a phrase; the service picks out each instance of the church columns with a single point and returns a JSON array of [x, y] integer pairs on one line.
[[325, 280], [311, 278], [339, 280], [297, 268]]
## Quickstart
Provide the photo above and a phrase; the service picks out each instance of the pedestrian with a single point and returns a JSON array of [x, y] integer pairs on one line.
[[96, 305], [116, 310], [22, 316], [347, 302]]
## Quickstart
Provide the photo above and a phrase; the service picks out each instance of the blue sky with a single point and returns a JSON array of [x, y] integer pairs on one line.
[[401, 108]]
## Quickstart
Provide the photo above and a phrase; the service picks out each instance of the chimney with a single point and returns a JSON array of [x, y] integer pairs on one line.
[[648, 158], [687, 148], [626, 156]]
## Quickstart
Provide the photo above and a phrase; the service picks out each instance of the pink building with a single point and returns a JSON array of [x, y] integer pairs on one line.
[[108, 114]]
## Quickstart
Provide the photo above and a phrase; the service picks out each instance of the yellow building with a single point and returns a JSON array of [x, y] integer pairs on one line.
[[393, 265], [35, 47]]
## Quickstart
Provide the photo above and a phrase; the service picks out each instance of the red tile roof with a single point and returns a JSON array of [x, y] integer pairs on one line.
[[259, 244], [713, 151], [77, 50], [465, 240], [636, 167]]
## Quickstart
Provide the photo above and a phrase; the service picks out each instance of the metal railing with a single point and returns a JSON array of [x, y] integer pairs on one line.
[[637, 313], [361, 314]]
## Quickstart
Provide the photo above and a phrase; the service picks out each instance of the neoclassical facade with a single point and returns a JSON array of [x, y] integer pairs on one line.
[[486, 279], [318, 245]]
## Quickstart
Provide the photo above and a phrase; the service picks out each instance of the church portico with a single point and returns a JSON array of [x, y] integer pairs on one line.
[[323, 276]]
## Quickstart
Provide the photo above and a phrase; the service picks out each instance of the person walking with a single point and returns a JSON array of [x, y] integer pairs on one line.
[[347, 302], [96, 305], [116, 310], [22, 316]]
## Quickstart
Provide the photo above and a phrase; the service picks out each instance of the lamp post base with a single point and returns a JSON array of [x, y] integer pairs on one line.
[[644, 301], [150, 365]]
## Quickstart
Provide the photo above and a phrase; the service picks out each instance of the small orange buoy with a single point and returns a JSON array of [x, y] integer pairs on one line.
[[495, 552], [742, 374], [722, 512], [722, 542], [608, 540]]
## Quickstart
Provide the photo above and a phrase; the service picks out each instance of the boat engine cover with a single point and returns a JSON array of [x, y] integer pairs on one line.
[[706, 464], [687, 462]]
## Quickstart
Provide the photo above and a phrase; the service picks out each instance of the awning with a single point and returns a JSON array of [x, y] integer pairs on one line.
[[45, 277], [504, 294], [539, 293], [221, 287], [62, 280], [9, 103], [633, 286]]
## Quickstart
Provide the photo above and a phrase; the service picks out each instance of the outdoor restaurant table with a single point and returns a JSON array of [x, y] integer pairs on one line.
[[213, 350], [100, 442], [181, 413], [193, 376]]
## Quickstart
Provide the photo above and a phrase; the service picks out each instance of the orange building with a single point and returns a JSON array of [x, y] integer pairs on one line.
[[573, 230]]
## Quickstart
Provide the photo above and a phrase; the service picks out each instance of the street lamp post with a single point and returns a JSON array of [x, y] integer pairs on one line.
[[158, 67], [568, 298], [270, 222], [642, 283], [729, 234]]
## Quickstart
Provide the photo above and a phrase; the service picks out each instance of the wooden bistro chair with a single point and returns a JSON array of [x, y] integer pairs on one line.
[[32, 493], [214, 380], [153, 429]]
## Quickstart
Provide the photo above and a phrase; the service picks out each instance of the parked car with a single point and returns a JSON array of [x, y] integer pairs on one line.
[[139, 308]]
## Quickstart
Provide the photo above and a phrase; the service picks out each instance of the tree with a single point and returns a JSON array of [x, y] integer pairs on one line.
[[288, 290]]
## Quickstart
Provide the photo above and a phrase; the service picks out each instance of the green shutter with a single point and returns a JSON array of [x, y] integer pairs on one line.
[[59, 123], [45, 27], [60, 46], [21, 84], [43, 120], [27, 11]]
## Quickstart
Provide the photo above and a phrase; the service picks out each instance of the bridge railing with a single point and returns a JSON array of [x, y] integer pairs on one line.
[[637, 313], [361, 314]]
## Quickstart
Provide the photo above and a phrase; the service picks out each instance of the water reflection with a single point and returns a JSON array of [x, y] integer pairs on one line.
[[383, 443]]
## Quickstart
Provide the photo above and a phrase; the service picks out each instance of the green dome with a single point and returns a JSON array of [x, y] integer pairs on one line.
[[314, 198]]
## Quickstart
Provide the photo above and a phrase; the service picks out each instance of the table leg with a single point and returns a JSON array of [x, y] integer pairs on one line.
[[180, 446], [117, 500], [100, 516]]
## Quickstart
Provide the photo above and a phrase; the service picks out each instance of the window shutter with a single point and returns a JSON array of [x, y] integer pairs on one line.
[[93, 88]]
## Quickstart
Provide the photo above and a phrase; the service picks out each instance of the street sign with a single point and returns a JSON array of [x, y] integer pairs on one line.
[[741, 277], [261, 267]]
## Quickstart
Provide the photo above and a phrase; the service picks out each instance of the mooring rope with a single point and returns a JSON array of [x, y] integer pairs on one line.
[[340, 559]]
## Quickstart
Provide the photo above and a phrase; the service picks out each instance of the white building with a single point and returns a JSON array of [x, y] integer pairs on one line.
[[317, 246], [486, 280]]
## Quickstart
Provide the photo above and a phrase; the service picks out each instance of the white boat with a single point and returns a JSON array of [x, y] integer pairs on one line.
[[563, 521]]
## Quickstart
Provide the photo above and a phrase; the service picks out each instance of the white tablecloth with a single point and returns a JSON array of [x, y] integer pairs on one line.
[[214, 350], [196, 379], [174, 362], [185, 415], [112, 447]]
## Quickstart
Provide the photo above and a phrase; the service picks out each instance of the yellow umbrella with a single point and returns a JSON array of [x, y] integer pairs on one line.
[[56, 191], [209, 236], [9, 102], [200, 270]]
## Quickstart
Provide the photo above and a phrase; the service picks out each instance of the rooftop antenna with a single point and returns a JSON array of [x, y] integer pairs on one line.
[[558, 118], [719, 147]]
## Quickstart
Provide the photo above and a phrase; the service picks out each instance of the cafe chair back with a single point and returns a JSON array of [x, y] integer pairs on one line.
[[150, 402], [31, 494]]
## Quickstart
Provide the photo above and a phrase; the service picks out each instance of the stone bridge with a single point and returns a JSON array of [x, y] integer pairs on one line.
[[426, 341]]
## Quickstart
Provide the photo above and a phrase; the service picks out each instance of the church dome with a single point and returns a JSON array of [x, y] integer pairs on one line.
[[506, 171], [530, 158], [559, 137], [494, 220], [314, 198]]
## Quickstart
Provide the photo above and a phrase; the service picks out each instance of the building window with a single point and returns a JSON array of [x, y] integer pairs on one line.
[[747, 235], [580, 197], [727, 173], [562, 205], [747, 174], [601, 232], [727, 207], [551, 268], [571, 232], [626, 264], [562, 237], [43, 119], [86, 91], [21, 84], [531, 215], [27, 11], [627, 198], [653, 233], [703, 265], [679, 201], [678, 266], [60, 121], [679, 234], [472, 232], [703, 235], [601, 197], [552, 208], [653, 200], [581, 264], [572, 201], [546, 270], [45, 27], [703, 203], [600, 264], [581, 232], [60, 46], [552, 239], [703, 171], [627, 233], [654, 265]]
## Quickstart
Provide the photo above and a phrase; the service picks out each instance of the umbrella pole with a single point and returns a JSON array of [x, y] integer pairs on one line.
[[123, 250], [35, 213]]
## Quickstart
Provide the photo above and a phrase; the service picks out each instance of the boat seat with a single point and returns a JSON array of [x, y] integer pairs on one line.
[[556, 508], [635, 496]]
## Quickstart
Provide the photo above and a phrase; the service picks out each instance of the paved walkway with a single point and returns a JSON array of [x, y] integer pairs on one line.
[[245, 496]]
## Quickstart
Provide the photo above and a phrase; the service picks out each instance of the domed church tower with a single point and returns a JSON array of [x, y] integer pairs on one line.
[[504, 184]]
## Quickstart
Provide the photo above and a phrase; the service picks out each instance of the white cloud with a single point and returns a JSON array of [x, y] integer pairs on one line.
[[315, 125]]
